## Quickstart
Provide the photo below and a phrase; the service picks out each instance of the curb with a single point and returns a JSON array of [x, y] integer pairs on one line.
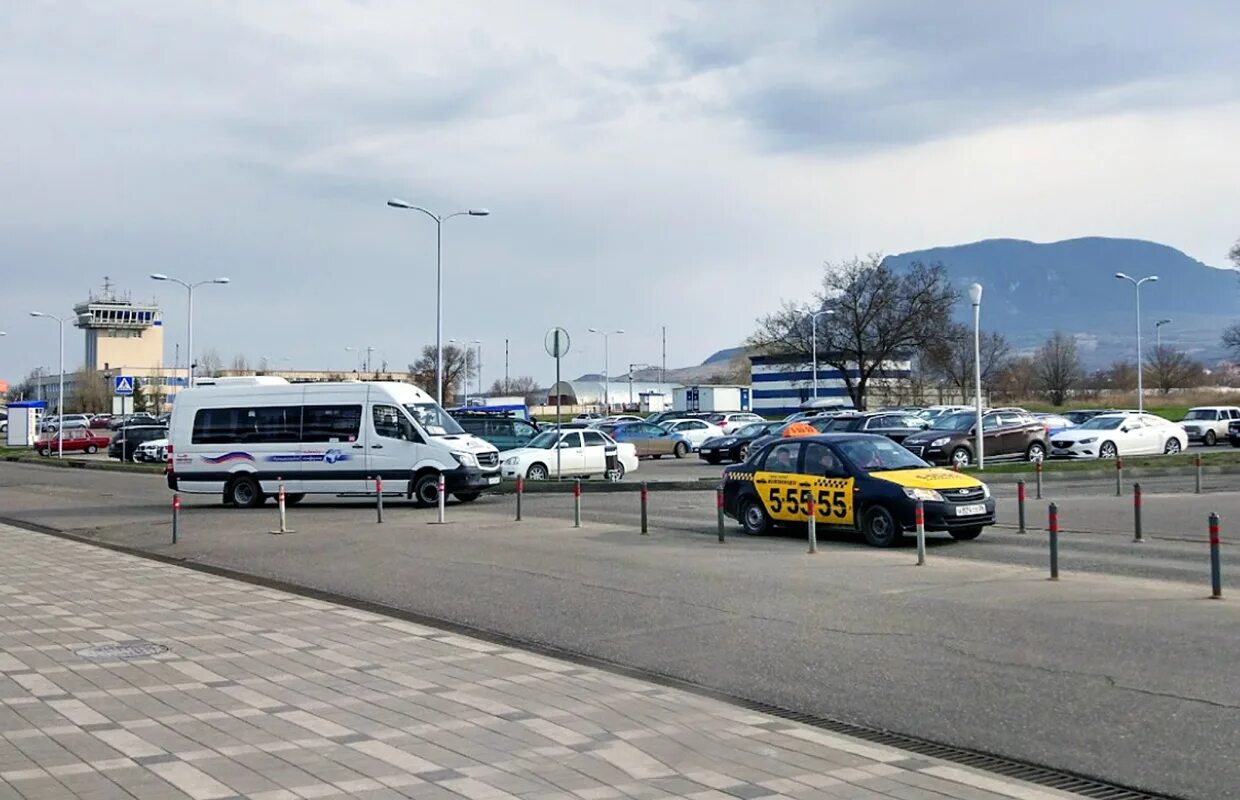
[[1102, 474], [73, 463]]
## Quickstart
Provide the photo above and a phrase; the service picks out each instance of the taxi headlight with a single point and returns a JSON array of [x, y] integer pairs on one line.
[[466, 459], [1090, 440], [925, 495], [985, 492], [511, 462], [940, 441]]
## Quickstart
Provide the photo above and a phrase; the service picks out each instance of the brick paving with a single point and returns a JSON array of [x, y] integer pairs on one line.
[[269, 695]]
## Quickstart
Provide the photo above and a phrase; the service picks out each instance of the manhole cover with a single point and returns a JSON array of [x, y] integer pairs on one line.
[[122, 651]]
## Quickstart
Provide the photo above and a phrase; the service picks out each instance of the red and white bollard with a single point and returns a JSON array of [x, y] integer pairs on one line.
[[919, 520], [812, 513], [378, 499], [520, 494], [176, 516], [281, 505]]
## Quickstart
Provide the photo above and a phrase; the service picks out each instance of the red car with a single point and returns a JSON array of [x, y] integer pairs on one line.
[[80, 440]]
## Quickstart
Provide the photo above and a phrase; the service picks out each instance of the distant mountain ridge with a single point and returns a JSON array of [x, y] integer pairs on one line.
[[1031, 289]]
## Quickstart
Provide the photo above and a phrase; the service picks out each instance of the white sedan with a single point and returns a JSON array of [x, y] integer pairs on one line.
[[693, 431], [155, 450], [582, 453], [1119, 434]]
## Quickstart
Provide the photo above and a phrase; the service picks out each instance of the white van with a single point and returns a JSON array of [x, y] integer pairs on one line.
[[241, 437]]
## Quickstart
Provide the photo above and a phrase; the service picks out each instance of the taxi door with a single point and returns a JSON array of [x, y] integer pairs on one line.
[[793, 473]]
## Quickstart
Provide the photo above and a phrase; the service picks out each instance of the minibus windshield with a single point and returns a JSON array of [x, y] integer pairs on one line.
[[433, 419]]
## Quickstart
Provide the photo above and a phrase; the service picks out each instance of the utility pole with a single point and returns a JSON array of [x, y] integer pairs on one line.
[[663, 373], [507, 386]]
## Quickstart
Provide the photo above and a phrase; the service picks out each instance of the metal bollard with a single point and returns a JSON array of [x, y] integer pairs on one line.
[[577, 503], [645, 500], [919, 519], [813, 526], [439, 490], [379, 499], [520, 494], [1197, 464], [1136, 513], [176, 516], [1020, 506], [719, 510], [1053, 527], [1038, 488], [1216, 565], [281, 505], [1119, 477]]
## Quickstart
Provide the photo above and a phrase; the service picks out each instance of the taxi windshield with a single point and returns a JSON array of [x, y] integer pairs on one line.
[[879, 454]]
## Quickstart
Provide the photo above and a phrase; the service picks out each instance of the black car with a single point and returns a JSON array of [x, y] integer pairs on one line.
[[1233, 432], [736, 446], [777, 432], [132, 436], [895, 425], [858, 482], [134, 420]]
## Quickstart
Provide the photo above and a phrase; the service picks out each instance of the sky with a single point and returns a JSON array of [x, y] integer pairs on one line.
[[646, 164]]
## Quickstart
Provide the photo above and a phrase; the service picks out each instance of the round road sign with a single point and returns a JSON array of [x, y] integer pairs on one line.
[[557, 342]]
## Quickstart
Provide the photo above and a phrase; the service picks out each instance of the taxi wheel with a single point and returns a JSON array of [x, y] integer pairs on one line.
[[681, 450], [879, 528], [754, 518], [963, 534]]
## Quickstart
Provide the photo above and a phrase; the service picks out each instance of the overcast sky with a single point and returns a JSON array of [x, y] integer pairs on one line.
[[646, 163]]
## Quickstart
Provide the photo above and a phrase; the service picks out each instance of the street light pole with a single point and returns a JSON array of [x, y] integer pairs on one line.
[[189, 334], [465, 343], [606, 367], [439, 220], [975, 297], [814, 315], [1158, 334], [1137, 285], [60, 401]]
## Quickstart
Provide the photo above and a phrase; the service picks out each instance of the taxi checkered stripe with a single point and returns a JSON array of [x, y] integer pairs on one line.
[[739, 476], [806, 480]]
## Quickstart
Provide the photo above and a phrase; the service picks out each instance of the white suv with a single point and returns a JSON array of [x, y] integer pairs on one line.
[[1208, 424], [731, 421]]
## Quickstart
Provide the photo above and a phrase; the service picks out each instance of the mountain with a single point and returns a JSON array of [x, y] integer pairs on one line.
[[1031, 289]]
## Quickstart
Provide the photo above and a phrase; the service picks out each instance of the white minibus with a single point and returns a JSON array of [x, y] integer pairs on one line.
[[244, 437]]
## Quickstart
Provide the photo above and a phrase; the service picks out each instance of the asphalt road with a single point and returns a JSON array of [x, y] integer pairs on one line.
[[1120, 677]]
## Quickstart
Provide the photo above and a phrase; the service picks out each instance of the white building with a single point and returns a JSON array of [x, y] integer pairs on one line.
[[712, 397], [784, 384], [621, 393]]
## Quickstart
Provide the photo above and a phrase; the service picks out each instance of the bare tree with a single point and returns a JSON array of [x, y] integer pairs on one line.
[[1019, 380], [1058, 367], [1169, 369], [458, 365], [520, 385], [1122, 376], [950, 357], [91, 393], [240, 363], [209, 364], [878, 315]]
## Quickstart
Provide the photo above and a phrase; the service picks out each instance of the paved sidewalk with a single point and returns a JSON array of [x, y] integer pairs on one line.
[[269, 695]]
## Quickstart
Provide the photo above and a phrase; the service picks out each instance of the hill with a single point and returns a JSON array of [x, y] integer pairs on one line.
[[1032, 289]]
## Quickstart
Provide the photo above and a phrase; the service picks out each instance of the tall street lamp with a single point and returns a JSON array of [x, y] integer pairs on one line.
[[189, 287], [1158, 333], [975, 297], [1137, 285], [359, 351], [60, 402], [439, 220], [477, 364], [606, 370], [814, 315]]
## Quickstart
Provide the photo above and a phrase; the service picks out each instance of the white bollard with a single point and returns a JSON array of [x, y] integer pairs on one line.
[[439, 486], [281, 505]]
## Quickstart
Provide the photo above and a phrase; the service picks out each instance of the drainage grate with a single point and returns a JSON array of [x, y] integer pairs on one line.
[[122, 651]]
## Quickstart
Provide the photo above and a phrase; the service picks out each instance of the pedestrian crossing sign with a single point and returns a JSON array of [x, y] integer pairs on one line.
[[122, 385]]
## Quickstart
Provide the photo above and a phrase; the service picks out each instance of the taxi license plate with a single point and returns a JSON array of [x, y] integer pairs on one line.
[[969, 511], [493, 480]]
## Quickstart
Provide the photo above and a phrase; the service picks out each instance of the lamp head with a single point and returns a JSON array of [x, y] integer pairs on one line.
[[394, 203], [479, 212], [975, 294], [158, 276], [221, 280], [593, 330], [37, 314], [1122, 276], [1152, 278]]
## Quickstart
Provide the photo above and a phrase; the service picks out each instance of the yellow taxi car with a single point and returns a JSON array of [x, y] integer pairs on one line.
[[858, 482]]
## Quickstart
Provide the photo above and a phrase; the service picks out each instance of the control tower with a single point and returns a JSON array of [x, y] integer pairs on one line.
[[121, 333]]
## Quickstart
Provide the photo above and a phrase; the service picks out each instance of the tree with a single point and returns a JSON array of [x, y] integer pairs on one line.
[[458, 365], [1058, 367], [140, 400], [1231, 334], [209, 364], [1169, 369], [92, 393], [1122, 376], [1018, 380], [240, 363], [951, 357], [878, 315], [521, 385]]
